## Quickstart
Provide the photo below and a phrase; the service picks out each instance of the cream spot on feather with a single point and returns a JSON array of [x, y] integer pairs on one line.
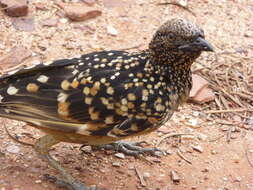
[[62, 97], [12, 90], [42, 78]]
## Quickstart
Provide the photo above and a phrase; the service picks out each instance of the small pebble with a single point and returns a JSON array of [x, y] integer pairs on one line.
[[183, 3], [193, 122], [120, 155], [146, 175], [250, 121], [202, 137], [195, 113], [13, 149], [198, 148], [93, 186], [111, 30], [38, 181], [116, 164], [131, 167], [86, 149], [175, 177], [205, 170], [236, 158], [2, 47], [238, 179], [63, 20], [169, 152]]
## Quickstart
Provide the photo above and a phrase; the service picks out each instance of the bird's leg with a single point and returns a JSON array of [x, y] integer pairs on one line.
[[42, 147], [128, 148]]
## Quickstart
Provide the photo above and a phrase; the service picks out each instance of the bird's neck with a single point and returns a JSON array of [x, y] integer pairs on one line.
[[175, 71], [169, 64]]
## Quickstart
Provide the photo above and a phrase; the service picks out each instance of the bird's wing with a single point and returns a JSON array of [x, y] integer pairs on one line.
[[72, 95]]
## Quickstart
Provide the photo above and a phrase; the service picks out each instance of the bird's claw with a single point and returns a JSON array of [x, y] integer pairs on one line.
[[132, 149], [70, 186]]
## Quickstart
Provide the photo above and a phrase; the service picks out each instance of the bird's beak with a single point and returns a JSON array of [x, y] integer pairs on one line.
[[200, 44]]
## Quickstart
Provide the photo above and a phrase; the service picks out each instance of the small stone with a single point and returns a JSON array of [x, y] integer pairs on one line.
[[196, 113], [86, 149], [2, 46], [169, 151], [50, 22], [14, 57], [63, 20], [237, 179], [24, 24], [111, 30], [198, 83], [93, 186], [193, 122], [13, 149], [183, 3], [204, 96], [202, 137], [197, 148], [15, 8], [213, 152], [116, 164], [250, 121], [120, 155], [79, 12], [200, 93], [205, 170], [236, 159], [131, 167], [38, 181], [146, 175], [175, 177]]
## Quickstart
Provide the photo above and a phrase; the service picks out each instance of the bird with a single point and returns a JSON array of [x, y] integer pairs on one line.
[[103, 97]]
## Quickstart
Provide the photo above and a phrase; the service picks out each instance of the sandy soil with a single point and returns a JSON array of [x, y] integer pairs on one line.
[[204, 160]]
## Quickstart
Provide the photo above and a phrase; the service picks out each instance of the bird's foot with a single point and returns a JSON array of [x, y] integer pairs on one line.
[[132, 149], [69, 186]]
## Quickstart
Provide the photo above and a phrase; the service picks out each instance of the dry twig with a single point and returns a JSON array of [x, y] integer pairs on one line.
[[170, 135], [227, 111], [179, 5], [179, 153], [248, 156], [14, 138], [143, 183]]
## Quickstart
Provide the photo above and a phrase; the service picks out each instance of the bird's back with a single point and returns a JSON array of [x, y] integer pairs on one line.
[[109, 93]]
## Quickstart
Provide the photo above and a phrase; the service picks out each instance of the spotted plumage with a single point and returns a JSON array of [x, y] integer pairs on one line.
[[111, 89], [104, 96]]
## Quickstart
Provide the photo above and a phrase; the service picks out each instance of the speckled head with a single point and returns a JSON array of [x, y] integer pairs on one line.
[[179, 35]]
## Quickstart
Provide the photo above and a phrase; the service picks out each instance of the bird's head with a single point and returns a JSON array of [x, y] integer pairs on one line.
[[179, 36]]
